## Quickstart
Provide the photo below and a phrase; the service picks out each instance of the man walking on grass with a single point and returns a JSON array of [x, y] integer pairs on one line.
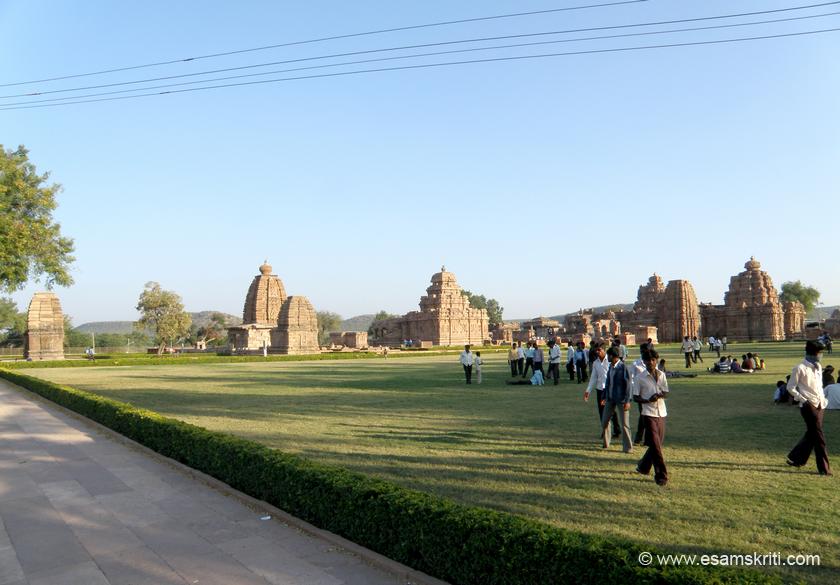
[[618, 396], [650, 389], [806, 387], [467, 360], [698, 348], [598, 381], [688, 349]]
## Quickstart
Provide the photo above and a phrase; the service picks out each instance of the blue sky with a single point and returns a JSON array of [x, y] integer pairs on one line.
[[549, 184]]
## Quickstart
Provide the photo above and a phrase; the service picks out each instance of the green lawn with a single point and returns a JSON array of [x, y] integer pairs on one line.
[[527, 450]]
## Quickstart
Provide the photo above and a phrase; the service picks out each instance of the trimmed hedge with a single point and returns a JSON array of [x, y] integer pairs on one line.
[[456, 543]]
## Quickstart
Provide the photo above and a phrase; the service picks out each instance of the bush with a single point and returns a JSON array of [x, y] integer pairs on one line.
[[453, 542]]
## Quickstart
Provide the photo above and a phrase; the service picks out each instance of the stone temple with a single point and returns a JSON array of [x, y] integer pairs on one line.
[[751, 310], [271, 320], [673, 310], [44, 337], [445, 318]]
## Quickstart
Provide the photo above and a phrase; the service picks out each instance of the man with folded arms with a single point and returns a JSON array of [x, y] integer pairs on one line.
[[806, 387], [650, 387]]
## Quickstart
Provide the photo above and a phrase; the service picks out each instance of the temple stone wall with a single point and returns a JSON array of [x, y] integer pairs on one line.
[[273, 321], [445, 318], [44, 337], [751, 310], [832, 324], [794, 313], [678, 312]]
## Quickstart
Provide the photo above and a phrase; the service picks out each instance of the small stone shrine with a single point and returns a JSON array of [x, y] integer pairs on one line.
[[44, 337], [672, 310], [445, 318], [273, 321], [751, 310]]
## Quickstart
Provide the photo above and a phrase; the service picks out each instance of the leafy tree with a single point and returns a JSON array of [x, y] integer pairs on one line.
[[327, 321], [492, 306], [162, 312], [12, 323], [214, 330], [380, 316], [31, 244], [73, 338], [796, 291]]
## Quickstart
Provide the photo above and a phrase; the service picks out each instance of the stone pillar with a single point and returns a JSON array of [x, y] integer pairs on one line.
[[44, 337]]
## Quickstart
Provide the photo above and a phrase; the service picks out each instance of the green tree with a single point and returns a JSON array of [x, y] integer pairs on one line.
[[796, 291], [73, 338], [492, 306], [162, 312], [213, 331], [327, 321], [31, 244], [12, 323], [380, 316]]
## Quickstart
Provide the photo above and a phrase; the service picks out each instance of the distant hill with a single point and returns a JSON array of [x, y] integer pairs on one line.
[[601, 309], [821, 313], [199, 319], [357, 323]]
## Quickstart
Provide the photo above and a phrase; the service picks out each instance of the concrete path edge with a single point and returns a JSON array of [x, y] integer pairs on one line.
[[411, 576]]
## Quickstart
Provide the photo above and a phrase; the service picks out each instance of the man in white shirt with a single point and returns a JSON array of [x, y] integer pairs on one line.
[[650, 388], [698, 348], [554, 356], [598, 381], [570, 361], [805, 385], [688, 349], [467, 360], [520, 357], [636, 368]]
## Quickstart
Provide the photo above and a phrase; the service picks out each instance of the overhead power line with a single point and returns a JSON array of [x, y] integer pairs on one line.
[[329, 38], [445, 64], [431, 54], [423, 45]]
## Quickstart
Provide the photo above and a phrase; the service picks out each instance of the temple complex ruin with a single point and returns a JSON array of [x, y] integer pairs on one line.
[[273, 322], [751, 310], [44, 337], [445, 318], [672, 310]]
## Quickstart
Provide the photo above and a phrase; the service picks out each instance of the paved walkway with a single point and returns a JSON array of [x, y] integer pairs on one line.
[[81, 508]]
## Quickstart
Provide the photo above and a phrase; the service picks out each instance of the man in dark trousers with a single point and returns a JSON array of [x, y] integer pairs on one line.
[[618, 397], [650, 389], [636, 368], [467, 360], [688, 349], [805, 385]]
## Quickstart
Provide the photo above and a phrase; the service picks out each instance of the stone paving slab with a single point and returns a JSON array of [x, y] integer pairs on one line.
[[79, 507]]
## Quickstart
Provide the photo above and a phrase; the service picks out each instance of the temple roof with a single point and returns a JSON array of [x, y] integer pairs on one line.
[[265, 297]]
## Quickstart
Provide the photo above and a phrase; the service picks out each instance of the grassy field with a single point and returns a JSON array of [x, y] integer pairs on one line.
[[532, 451]]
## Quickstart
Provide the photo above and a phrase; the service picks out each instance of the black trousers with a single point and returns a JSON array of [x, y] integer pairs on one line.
[[640, 429], [655, 431], [688, 359], [520, 365], [814, 440], [529, 363], [468, 374], [514, 370], [697, 356], [570, 369], [580, 368], [554, 372], [602, 396]]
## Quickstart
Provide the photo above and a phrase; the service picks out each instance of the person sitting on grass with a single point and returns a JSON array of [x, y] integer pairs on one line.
[[536, 380], [722, 366], [736, 368], [781, 394], [672, 374], [828, 376]]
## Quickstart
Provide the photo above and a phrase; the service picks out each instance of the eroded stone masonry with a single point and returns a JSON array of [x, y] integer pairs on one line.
[[445, 318], [271, 320], [44, 337]]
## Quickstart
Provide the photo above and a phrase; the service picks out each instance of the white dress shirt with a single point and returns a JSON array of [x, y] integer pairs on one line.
[[687, 346], [598, 377], [520, 353], [646, 386], [805, 384], [466, 358], [554, 355], [570, 355]]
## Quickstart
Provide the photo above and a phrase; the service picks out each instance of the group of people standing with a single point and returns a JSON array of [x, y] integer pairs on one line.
[[617, 385]]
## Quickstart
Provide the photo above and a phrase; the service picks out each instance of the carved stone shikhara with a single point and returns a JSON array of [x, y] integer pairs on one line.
[[751, 310], [273, 321], [445, 318], [44, 337]]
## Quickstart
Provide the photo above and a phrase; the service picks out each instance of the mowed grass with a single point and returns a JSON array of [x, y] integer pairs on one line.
[[532, 451]]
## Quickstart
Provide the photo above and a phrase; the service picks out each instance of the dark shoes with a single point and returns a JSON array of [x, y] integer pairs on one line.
[[640, 472], [790, 462]]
